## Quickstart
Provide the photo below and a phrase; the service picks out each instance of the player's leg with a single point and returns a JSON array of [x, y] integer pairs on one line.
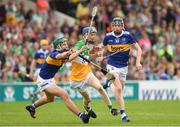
[[45, 98], [124, 117], [37, 92], [94, 82], [117, 89], [34, 95], [57, 91], [86, 101]]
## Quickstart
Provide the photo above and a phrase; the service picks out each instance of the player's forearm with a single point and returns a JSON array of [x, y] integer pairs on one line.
[[139, 53], [32, 67], [62, 55], [77, 53], [74, 55]]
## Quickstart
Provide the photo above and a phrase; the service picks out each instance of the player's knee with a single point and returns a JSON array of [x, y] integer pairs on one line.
[[50, 99], [100, 88], [44, 98], [119, 89], [65, 97]]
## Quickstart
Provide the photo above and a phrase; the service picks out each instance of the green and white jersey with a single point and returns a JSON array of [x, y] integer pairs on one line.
[[78, 45]]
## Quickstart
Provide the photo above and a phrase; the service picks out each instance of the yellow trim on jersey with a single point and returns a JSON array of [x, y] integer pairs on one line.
[[55, 62], [79, 71], [40, 60], [118, 47]]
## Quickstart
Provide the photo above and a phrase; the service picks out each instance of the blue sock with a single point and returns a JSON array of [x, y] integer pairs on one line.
[[107, 84], [122, 111]]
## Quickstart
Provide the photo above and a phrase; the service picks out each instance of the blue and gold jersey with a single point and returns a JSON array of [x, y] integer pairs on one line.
[[120, 44], [51, 65], [40, 57]]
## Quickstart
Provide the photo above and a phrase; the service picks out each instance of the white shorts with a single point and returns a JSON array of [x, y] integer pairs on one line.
[[81, 85], [43, 84], [36, 74], [121, 71]]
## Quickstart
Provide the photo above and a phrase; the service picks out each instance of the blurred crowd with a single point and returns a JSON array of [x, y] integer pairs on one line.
[[154, 23]]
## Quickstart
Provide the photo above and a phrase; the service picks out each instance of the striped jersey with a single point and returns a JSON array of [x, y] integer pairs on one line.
[[40, 57], [120, 44], [51, 65], [80, 68]]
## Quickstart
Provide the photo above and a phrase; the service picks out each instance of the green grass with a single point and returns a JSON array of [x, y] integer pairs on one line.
[[141, 113]]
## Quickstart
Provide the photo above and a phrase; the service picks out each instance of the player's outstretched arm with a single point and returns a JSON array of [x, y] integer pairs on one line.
[[63, 55], [75, 53]]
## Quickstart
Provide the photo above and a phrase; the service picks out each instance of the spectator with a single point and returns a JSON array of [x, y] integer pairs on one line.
[[11, 11], [145, 42], [154, 23], [2, 13], [83, 11], [2, 63], [42, 10], [177, 76]]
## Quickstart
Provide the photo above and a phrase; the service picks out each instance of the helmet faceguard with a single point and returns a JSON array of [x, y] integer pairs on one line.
[[88, 32], [118, 21]]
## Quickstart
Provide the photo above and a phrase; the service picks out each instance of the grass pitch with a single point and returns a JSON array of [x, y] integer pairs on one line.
[[141, 113]]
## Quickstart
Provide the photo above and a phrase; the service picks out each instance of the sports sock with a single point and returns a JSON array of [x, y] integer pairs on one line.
[[123, 114], [88, 108], [107, 84], [122, 111], [109, 107], [80, 114]]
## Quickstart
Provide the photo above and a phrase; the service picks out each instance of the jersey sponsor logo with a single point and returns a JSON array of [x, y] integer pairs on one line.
[[118, 47]]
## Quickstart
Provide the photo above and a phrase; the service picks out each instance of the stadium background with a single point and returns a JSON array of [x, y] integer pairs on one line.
[[154, 23]]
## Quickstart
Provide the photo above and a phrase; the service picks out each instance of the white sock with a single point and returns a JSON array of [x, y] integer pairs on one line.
[[123, 115], [80, 114]]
